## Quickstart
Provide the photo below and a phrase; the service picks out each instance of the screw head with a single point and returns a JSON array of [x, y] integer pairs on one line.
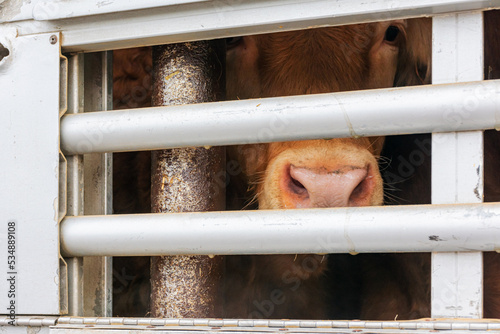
[[53, 39]]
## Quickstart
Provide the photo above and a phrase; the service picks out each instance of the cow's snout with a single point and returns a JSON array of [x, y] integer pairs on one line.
[[337, 172], [304, 187]]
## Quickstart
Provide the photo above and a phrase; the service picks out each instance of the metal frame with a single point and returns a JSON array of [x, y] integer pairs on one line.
[[98, 173], [114, 325], [90, 28], [457, 165]]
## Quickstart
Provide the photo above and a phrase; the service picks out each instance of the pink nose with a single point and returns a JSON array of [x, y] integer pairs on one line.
[[319, 187]]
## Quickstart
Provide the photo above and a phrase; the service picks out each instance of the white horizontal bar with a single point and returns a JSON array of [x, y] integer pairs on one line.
[[473, 227], [441, 108], [221, 18]]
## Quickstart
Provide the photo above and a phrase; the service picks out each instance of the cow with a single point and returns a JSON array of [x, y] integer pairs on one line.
[[319, 173], [315, 173]]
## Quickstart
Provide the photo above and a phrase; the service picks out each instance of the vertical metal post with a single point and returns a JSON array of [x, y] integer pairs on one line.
[[98, 171], [33, 176], [457, 163], [185, 180], [75, 186]]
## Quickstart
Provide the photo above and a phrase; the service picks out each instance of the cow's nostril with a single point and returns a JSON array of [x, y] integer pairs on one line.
[[360, 191], [296, 186]]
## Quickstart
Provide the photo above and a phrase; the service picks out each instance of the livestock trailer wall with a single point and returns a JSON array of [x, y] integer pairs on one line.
[[55, 88]]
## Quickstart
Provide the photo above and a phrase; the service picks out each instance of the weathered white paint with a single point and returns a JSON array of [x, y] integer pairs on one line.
[[457, 163], [29, 172]]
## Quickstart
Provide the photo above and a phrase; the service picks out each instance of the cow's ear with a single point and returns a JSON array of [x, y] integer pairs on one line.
[[414, 62]]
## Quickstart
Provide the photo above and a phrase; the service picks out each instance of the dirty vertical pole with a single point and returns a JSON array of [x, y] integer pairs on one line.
[[187, 180]]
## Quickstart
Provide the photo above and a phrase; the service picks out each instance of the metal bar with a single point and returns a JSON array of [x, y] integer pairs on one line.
[[98, 167], [457, 165], [38, 322], [216, 19], [438, 108], [75, 186], [98, 171], [184, 180], [119, 325], [338, 230], [266, 326]]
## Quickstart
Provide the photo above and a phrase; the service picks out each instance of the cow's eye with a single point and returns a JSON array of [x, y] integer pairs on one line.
[[233, 41], [391, 34]]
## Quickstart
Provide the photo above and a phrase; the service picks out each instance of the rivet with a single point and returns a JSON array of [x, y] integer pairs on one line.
[[53, 39]]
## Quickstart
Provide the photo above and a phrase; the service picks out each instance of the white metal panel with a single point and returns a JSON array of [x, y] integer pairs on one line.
[[17, 10], [457, 163], [219, 18], [335, 230], [344, 114], [463, 180], [60, 9], [457, 290], [458, 46], [29, 172]]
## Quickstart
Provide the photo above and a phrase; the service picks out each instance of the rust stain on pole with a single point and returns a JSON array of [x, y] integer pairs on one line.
[[187, 180]]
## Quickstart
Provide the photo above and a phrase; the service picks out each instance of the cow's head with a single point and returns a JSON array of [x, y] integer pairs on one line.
[[330, 172]]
